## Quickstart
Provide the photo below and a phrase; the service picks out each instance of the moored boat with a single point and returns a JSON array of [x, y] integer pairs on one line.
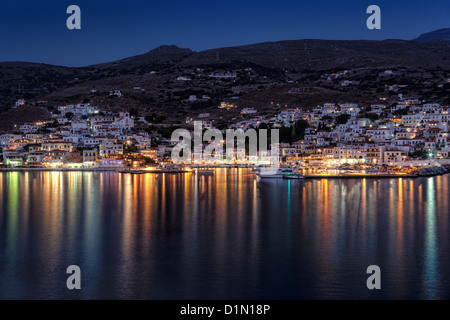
[[206, 171], [132, 171], [278, 173], [294, 176], [137, 172]]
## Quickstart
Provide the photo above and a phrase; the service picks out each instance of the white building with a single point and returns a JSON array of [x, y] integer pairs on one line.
[[108, 148], [116, 93], [19, 103], [89, 155], [124, 121], [249, 111], [395, 155]]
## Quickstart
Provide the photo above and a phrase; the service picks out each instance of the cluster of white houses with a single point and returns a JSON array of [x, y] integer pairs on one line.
[[422, 129], [92, 138], [400, 132]]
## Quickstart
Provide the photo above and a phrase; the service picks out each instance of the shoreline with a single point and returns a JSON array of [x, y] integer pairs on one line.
[[365, 176], [307, 176], [61, 169]]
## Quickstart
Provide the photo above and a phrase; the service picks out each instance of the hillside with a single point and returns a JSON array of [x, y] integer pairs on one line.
[[266, 76], [328, 54], [160, 58], [437, 35]]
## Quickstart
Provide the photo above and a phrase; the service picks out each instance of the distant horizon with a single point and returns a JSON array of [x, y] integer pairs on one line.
[[196, 51], [110, 31]]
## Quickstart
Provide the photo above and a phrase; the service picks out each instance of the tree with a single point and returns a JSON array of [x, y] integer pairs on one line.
[[299, 129], [43, 130], [343, 118], [153, 118], [372, 117], [285, 134], [69, 115], [419, 154], [54, 124], [133, 112], [129, 148], [149, 160], [401, 112], [26, 147]]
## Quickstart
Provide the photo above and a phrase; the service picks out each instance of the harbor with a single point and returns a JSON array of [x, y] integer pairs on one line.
[[283, 172]]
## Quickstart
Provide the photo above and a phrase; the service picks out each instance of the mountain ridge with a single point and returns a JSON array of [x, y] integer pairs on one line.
[[436, 35], [265, 71]]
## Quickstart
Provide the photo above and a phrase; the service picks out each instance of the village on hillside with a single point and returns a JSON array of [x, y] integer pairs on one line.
[[84, 137]]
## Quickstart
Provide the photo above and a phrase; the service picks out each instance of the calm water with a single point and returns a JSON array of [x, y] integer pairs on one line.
[[222, 237]]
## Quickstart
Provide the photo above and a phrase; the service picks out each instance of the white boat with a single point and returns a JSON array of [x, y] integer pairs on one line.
[[295, 176], [132, 171], [279, 173], [206, 171], [168, 169]]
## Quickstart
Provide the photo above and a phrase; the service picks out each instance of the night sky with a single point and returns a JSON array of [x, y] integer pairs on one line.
[[36, 31]]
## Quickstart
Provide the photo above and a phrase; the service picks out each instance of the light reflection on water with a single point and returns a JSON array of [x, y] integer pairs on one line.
[[229, 236], [431, 276]]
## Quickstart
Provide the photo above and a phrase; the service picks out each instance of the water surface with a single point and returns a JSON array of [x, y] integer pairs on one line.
[[229, 236]]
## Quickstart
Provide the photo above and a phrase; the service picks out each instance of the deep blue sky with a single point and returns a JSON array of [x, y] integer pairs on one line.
[[35, 30]]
